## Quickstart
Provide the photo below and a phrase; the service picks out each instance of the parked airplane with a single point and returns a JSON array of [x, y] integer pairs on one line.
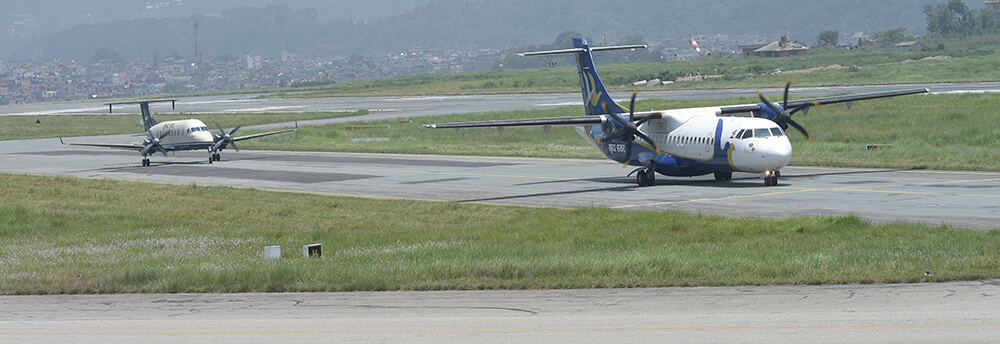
[[680, 142], [187, 134]]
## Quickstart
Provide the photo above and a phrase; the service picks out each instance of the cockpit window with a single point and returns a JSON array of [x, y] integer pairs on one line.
[[747, 134], [777, 132], [195, 129], [761, 133]]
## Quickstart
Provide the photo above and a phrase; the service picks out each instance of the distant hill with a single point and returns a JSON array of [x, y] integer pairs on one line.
[[473, 24]]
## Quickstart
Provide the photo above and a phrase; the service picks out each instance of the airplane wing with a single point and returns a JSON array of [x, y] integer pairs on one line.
[[223, 140], [539, 122], [135, 147], [827, 100], [247, 137]]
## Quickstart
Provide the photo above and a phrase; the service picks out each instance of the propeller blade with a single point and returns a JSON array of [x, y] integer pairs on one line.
[[803, 107], [649, 141], [614, 136], [628, 153], [787, 85], [620, 119], [234, 145], [235, 129], [768, 103], [631, 105], [800, 128], [218, 144]]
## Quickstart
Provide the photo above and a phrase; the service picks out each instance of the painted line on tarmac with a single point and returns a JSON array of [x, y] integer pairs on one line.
[[512, 330], [849, 189]]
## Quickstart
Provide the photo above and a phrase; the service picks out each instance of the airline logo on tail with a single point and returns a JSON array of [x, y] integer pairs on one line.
[[593, 97]]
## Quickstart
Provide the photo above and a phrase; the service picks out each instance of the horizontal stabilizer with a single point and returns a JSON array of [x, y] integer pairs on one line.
[[581, 50], [173, 103]]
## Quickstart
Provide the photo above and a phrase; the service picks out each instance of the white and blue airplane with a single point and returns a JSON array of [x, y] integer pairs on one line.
[[186, 134], [680, 142]]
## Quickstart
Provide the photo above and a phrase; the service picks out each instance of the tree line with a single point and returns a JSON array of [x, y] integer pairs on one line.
[[955, 18]]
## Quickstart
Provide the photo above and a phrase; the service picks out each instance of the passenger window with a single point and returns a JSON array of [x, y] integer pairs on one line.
[[777, 132], [761, 133]]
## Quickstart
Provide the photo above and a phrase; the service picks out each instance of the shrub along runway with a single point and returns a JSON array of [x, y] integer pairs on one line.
[[966, 199]]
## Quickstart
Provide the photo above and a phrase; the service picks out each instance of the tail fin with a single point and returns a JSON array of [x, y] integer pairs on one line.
[[147, 117], [595, 96]]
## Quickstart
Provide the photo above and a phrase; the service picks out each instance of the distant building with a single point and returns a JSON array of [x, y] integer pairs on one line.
[[993, 6], [782, 48]]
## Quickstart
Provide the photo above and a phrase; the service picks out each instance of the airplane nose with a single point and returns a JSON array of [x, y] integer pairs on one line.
[[779, 154]]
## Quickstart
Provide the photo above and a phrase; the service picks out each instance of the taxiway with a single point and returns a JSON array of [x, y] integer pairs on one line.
[[958, 198]]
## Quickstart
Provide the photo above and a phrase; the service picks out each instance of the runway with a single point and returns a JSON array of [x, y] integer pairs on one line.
[[956, 312], [958, 198]]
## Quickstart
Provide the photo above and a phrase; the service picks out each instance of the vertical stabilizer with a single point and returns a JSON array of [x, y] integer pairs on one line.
[[595, 95], [147, 117]]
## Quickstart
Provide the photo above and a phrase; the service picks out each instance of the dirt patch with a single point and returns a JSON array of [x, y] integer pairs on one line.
[[940, 57], [810, 70]]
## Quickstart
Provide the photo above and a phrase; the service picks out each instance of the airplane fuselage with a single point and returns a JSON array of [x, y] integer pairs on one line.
[[697, 141], [188, 134]]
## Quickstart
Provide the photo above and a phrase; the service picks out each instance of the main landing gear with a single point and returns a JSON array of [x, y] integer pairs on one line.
[[646, 177], [723, 176], [771, 178]]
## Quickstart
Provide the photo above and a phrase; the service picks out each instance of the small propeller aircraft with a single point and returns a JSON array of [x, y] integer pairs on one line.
[[681, 142], [187, 134]]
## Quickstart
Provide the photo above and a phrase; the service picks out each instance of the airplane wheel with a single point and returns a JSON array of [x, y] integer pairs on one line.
[[145, 162], [211, 159], [770, 181], [646, 178], [723, 176]]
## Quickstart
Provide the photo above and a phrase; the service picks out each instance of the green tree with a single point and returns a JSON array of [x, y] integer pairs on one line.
[[828, 38], [892, 36]]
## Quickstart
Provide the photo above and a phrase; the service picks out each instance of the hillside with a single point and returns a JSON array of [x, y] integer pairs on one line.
[[474, 24]]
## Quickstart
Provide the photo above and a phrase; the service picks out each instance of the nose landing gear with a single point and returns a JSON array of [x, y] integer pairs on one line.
[[771, 178]]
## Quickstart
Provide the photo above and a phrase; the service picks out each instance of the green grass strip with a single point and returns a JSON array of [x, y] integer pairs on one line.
[[73, 235]]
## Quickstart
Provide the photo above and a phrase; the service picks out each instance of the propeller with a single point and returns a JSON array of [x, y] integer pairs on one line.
[[784, 116], [153, 144], [224, 139], [630, 130]]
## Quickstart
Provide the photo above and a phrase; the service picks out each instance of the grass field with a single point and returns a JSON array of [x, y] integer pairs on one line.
[[72, 235]]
